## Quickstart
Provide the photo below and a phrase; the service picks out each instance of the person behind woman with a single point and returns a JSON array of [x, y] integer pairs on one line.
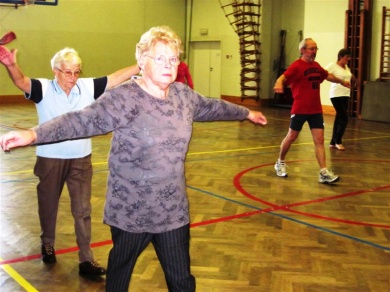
[[339, 96], [69, 162], [151, 119], [184, 75]]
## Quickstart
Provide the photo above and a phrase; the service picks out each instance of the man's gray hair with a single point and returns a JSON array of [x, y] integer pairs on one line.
[[302, 44]]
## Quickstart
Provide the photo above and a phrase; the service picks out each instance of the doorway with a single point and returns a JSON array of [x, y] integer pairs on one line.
[[205, 64]]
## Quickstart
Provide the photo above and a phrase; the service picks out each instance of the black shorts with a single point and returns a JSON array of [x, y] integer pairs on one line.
[[315, 121]]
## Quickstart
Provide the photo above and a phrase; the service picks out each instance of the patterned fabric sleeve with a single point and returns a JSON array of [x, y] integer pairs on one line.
[[93, 120], [212, 109]]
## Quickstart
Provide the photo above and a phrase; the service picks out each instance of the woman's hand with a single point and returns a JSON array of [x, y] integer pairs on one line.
[[7, 57], [257, 117], [17, 138]]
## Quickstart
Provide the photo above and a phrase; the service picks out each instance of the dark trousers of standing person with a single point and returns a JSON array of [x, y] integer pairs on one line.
[[53, 173], [172, 249], [340, 104]]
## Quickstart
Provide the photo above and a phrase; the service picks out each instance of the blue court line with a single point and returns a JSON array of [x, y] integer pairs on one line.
[[294, 220]]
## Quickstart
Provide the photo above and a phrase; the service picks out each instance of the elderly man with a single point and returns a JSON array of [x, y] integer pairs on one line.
[[305, 76]]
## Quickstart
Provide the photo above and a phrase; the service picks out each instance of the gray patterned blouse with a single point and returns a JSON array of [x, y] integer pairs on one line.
[[146, 189]]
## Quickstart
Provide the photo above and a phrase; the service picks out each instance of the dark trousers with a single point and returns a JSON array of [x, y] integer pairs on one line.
[[172, 249], [340, 104], [53, 173]]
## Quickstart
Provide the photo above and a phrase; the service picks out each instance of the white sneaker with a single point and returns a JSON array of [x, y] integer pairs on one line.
[[280, 168], [328, 177]]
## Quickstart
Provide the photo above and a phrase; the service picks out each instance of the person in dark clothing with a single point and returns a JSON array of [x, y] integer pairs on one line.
[[339, 96]]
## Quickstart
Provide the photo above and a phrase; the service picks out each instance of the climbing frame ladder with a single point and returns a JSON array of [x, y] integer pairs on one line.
[[357, 39], [244, 17], [384, 74]]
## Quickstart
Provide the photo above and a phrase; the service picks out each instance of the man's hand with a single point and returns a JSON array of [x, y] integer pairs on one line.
[[332, 78], [346, 83], [278, 87], [279, 84], [257, 117]]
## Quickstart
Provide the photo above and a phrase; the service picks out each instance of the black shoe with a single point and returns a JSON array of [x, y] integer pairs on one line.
[[48, 254], [91, 268]]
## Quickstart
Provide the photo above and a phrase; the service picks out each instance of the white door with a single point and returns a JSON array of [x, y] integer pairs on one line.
[[205, 61]]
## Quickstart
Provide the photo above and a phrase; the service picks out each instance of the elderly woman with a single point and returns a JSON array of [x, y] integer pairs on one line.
[[151, 119], [57, 164]]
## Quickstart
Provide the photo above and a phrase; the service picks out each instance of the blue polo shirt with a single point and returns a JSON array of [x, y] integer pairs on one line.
[[51, 101]]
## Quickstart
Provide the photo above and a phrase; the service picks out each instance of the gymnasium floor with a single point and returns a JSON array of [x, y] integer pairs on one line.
[[251, 230]]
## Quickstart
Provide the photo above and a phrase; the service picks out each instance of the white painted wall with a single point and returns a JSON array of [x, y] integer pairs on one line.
[[323, 20]]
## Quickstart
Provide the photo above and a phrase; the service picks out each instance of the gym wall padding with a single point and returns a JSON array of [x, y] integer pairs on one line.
[[376, 101]]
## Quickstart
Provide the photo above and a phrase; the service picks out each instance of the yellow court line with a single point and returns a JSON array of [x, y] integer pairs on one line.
[[221, 151], [239, 149], [276, 146], [16, 172], [18, 278]]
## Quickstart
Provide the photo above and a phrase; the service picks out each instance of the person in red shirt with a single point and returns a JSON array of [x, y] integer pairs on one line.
[[183, 75], [305, 76]]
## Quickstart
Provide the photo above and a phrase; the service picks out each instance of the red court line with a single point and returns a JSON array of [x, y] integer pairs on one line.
[[107, 242], [272, 208], [58, 252], [246, 214], [236, 182]]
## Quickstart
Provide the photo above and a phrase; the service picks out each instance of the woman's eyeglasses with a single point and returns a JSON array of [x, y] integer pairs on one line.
[[162, 60], [68, 73]]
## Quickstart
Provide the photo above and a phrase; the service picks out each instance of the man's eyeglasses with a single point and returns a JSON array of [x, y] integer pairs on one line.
[[162, 60], [312, 49], [68, 73]]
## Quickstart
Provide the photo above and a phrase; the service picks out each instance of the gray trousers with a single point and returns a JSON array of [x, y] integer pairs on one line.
[[77, 174], [172, 249]]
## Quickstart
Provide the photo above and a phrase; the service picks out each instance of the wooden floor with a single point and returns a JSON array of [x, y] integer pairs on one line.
[[251, 230]]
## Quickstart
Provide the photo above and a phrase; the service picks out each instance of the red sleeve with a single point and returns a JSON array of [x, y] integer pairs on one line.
[[189, 79], [291, 73]]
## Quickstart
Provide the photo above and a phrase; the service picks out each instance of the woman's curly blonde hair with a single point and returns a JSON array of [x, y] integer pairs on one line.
[[158, 34]]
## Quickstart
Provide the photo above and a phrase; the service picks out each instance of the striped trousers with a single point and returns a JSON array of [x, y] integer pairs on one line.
[[172, 249]]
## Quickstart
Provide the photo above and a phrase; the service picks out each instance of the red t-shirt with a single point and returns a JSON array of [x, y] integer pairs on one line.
[[305, 79]]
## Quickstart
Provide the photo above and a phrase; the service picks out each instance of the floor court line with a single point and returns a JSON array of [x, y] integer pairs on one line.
[[239, 187], [216, 151], [272, 207], [18, 278], [28, 287], [272, 210], [257, 211]]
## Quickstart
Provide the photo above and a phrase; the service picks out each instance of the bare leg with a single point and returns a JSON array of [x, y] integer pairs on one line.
[[286, 143], [318, 139]]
